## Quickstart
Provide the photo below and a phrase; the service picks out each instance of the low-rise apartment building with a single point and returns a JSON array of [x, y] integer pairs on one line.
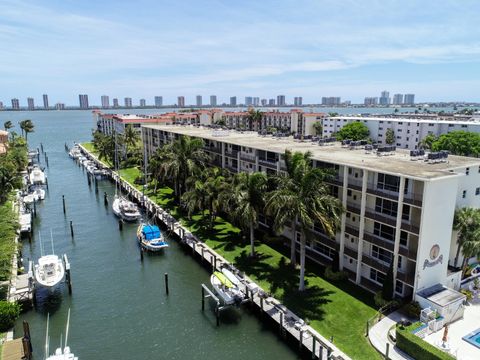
[[399, 209], [408, 131]]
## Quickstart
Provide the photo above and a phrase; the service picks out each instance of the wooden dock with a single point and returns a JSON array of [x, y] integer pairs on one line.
[[13, 350], [289, 324]]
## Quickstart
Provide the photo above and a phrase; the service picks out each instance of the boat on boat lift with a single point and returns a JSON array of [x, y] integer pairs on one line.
[[37, 176], [50, 269], [150, 237], [226, 285]]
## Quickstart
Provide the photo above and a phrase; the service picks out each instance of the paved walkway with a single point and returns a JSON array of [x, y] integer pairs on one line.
[[378, 336]]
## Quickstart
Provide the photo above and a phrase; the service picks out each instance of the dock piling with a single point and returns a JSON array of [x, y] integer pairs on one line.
[[63, 201], [105, 198], [71, 228], [141, 253], [203, 299], [41, 146], [211, 262], [387, 350], [166, 283], [96, 185], [314, 343], [300, 341], [46, 160], [46, 182], [34, 208], [120, 224]]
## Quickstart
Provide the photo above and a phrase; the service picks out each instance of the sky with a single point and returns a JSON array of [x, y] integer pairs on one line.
[[242, 48]]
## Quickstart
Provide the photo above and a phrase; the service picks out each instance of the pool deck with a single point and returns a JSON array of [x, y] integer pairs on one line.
[[457, 330]]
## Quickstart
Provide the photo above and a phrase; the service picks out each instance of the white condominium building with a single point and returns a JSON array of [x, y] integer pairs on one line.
[[408, 132], [399, 209]]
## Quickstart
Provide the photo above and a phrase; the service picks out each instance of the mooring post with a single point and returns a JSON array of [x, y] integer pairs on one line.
[[88, 179], [387, 350], [69, 281], [367, 329], [63, 201], [211, 262], [217, 313], [281, 322], [300, 341], [34, 208], [202, 253], [141, 253], [166, 283], [120, 224], [96, 184], [46, 160], [26, 348], [314, 345], [203, 298], [41, 146], [320, 351], [329, 353], [261, 305], [105, 198], [214, 262], [38, 156], [46, 182]]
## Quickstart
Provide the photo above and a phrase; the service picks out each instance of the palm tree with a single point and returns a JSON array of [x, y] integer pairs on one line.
[[302, 195], [195, 198], [156, 166], [130, 137], [215, 187], [7, 125], [467, 223], [246, 200], [254, 117], [8, 179], [471, 248], [27, 127]]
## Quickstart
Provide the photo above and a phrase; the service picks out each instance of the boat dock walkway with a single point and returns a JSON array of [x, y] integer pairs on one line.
[[288, 323], [13, 350]]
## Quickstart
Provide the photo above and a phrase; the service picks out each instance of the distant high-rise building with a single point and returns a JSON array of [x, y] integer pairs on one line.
[[105, 101], [30, 103], [264, 102], [248, 100], [384, 98], [213, 100], [128, 102], [60, 106], [331, 100], [233, 101], [158, 101], [45, 101], [281, 100], [256, 101], [370, 101], [271, 102], [143, 103], [199, 100], [83, 100], [297, 101], [1, 105], [398, 99], [409, 99], [181, 101], [115, 102], [15, 104]]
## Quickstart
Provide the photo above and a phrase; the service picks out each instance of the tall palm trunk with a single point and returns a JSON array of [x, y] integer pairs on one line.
[[252, 240], [293, 244], [301, 285], [459, 247]]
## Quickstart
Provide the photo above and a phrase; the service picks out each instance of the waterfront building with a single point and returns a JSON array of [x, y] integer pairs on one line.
[[264, 102], [331, 101], [409, 131], [394, 215], [45, 101], [143, 103], [115, 103], [15, 104], [248, 101], [158, 101], [280, 100], [128, 102], [384, 98], [297, 101], [83, 101], [409, 99], [105, 101], [271, 102], [233, 101], [181, 101], [398, 99], [213, 100], [256, 101], [370, 101], [59, 106], [1, 104], [199, 100], [30, 103]]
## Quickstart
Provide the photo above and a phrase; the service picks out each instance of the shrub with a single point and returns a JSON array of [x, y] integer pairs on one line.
[[335, 275], [416, 347], [9, 312], [413, 309], [379, 300]]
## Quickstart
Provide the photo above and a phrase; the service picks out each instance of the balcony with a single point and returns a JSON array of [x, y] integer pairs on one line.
[[231, 153], [267, 163], [370, 285], [214, 150], [351, 230], [355, 184], [324, 239], [408, 253], [413, 199], [406, 278], [350, 252], [377, 240], [247, 157], [374, 263]]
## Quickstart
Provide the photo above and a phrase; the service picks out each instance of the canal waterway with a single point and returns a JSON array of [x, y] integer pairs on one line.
[[119, 309]]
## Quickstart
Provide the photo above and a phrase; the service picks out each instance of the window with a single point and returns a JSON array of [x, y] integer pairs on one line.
[[404, 238], [386, 207], [467, 171], [324, 250], [464, 194], [406, 212], [399, 287], [384, 231], [464, 126], [477, 191], [382, 254], [349, 192], [388, 182], [377, 276]]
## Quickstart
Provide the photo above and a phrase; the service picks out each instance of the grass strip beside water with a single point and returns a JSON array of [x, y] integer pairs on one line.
[[8, 228], [339, 311]]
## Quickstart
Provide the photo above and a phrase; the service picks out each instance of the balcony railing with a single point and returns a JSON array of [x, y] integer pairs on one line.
[[377, 240], [351, 230], [350, 252], [408, 252], [231, 153], [374, 263], [406, 278]]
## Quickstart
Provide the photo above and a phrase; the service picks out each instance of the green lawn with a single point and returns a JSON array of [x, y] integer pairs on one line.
[[91, 149], [339, 311]]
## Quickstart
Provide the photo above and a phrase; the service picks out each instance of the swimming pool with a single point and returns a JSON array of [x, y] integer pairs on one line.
[[473, 338]]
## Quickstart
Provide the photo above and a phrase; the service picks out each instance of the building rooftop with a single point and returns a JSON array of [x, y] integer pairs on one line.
[[396, 164], [473, 120], [440, 295]]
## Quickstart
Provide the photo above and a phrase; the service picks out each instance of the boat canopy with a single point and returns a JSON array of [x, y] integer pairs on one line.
[[151, 232]]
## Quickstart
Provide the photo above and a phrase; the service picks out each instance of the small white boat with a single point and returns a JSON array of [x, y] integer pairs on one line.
[[61, 353], [25, 221], [49, 271], [75, 152], [28, 199], [150, 237], [226, 285], [125, 209], [38, 193], [37, 176]]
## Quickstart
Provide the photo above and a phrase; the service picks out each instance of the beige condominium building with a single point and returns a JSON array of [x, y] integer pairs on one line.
[[399, 208]]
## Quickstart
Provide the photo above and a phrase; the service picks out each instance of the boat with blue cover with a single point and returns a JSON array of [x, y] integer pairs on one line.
[[150, 237]]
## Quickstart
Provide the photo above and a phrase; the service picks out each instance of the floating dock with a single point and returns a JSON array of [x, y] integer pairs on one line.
[[288, 323]]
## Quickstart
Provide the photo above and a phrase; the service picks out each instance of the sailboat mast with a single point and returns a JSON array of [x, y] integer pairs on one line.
[[144, 172], [41, 244], [46, 338], [51, 240], [68, 326]]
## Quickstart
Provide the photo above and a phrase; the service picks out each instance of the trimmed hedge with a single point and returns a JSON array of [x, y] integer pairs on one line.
[[9, 313], [416, 347]]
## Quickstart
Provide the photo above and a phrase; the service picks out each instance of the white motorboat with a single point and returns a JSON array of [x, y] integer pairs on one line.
[[125, 209], [150, 237], [63, 352], [37, 192], [28, 199], [37, 176], [75, 152], [49, 271], [226, 285]]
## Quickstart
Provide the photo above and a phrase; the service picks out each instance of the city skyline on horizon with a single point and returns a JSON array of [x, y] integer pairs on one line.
[[251, 49]]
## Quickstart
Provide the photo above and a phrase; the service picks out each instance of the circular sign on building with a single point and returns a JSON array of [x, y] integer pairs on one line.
[[434, 252]]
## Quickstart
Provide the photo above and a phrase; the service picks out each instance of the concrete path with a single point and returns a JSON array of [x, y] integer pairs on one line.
[[378, 336]]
